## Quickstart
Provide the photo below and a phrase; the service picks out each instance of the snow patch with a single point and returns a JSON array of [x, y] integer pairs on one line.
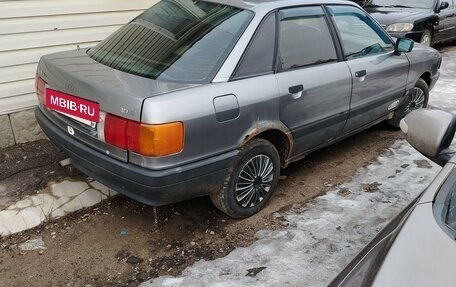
[[321, 237]]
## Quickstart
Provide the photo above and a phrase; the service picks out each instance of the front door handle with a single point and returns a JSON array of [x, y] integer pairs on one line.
[[361, 74], [296, 89]]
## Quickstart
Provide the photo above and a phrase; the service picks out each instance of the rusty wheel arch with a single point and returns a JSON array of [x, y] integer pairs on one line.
[[277, 134]]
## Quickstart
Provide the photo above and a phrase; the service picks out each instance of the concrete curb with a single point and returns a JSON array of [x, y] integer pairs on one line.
[[58, 200]]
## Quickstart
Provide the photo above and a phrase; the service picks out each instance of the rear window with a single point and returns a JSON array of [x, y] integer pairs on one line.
[[175, 40]]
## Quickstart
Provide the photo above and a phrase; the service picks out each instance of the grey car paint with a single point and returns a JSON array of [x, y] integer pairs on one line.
[[422, 253], [384, 82], [319, 114], [417, 247], [75, 73], [214, 127]]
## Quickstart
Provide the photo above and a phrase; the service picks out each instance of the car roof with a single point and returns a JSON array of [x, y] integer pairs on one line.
[[268, 5]]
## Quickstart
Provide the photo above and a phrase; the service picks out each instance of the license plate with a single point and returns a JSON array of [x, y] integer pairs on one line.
[[85, 111]]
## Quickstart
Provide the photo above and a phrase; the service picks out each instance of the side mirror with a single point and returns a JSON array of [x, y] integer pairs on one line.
[[443, 5], [403, 45], [431, 133]]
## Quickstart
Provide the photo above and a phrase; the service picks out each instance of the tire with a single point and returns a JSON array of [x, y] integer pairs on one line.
[[238, 198], [426, 38], [417, 99]]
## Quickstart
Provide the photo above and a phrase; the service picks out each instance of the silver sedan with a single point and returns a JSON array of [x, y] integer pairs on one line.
[[196, 98]]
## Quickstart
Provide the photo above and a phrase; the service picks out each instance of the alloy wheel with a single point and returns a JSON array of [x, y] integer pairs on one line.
[[416, 101], [254, 181]]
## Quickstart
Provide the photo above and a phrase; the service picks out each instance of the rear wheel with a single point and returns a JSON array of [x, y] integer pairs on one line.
[[252, 181], [417, 99]]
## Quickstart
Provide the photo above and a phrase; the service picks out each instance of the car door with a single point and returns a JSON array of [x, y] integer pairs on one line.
[[379, 75], [448, 18], [314, 86]]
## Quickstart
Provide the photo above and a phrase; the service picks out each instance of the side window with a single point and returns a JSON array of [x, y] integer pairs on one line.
[[360, 35], [304, 38], [259, 57]]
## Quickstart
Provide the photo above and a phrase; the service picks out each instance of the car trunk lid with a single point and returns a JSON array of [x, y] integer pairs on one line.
[[116, 92]]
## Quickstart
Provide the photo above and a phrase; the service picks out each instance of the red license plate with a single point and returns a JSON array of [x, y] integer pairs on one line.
[[72, 105]]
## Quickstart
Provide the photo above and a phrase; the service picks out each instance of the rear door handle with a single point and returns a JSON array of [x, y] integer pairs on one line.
[[296, 91], [361, 74]]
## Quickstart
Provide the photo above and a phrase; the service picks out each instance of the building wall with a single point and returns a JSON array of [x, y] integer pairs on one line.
[[31, 28]]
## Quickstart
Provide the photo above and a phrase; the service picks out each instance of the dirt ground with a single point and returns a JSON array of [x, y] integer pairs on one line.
[[118, 242]]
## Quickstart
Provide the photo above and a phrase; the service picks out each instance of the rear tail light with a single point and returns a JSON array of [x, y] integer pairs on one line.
[[40, 88], [156, 140], [115, 131], [145, 139]]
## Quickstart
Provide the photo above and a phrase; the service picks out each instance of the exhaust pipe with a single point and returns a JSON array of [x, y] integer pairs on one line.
[[64, 163]]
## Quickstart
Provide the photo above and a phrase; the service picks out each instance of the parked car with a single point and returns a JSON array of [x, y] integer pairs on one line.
[[418, 247], [198, 98], [425, 21]]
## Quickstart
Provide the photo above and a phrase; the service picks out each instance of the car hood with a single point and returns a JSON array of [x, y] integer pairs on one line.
[[117, 92], [388, 16]]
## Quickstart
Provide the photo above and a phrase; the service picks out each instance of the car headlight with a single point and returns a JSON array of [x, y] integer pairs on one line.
[[400, 27]]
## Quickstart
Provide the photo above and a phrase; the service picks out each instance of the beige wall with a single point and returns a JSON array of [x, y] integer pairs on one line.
[[31, 28]]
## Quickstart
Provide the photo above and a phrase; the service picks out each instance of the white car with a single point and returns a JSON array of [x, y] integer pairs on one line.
[[418, 247]]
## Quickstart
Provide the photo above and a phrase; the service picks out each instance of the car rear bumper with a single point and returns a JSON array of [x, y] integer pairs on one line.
[[151, 187]]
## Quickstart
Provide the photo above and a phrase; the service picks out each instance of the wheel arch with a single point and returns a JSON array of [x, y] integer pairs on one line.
[[426, 77], [277, 134]]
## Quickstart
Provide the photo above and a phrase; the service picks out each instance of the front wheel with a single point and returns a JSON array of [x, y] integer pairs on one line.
[[426, 38], [417, 99], [252, 181]]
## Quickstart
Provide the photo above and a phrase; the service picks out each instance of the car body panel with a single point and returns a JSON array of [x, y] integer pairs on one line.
[[384, 83], [258, 102], [421, 255], [415, 250], [74, 73], [388, 16], [319, 114], [419, 62]]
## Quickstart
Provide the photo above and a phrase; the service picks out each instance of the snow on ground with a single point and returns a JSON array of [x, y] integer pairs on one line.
[[443, 95], [319, 238]]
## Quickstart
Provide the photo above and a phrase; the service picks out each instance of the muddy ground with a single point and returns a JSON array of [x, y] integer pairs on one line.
[[118, 242]]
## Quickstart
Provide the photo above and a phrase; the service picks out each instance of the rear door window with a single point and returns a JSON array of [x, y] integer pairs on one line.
[[175, 40], [304, 38]]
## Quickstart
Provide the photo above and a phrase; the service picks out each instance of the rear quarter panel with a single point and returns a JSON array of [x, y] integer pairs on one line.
[[205, 135]]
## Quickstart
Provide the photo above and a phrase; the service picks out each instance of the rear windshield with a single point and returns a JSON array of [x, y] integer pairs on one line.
[[175, 40]]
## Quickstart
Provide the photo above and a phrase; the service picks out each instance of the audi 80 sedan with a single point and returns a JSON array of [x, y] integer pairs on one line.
[[195, 98]]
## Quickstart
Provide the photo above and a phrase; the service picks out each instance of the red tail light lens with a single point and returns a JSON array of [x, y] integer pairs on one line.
[[145, 139], [40, 88], [115, 131]]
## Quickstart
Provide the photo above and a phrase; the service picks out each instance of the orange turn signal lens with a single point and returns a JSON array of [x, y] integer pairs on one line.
[[156, 140]]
